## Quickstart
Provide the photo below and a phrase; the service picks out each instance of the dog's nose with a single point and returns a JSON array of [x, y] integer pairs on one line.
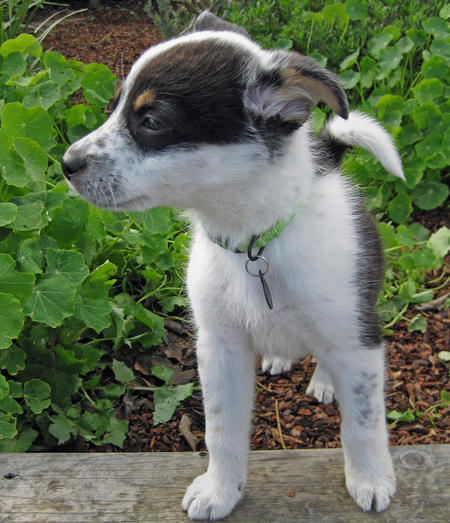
[[72, 165]]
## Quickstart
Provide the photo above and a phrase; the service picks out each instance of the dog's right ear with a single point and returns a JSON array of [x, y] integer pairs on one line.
[[207, 21], [289, 87]]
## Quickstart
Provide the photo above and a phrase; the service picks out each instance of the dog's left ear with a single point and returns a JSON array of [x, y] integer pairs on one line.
[[291, 87], [207, 21]]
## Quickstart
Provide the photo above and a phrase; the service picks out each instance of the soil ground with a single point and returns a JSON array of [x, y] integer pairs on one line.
[[284, 417]]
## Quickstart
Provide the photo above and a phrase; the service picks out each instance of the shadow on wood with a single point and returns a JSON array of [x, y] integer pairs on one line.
[[283, 486]]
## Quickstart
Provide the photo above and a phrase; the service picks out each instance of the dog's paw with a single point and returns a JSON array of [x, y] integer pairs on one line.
[[276, 365], [371, 494], [320, 386], [206, 499]]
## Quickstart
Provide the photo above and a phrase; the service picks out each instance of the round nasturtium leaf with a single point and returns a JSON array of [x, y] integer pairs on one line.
[[51, 302], [36, 394], [429, 194]]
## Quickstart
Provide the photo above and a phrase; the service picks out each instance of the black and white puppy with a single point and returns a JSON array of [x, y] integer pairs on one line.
[[212, 123]]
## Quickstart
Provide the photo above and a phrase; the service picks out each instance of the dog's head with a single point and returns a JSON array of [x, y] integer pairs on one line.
[[201, 109]]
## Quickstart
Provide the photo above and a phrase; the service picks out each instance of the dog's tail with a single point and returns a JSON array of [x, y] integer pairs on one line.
[[359, 129]]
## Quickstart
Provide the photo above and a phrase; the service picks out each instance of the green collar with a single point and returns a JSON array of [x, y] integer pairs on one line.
[[262, 240]]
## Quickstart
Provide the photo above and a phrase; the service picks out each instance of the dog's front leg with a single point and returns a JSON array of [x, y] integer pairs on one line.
[[358, 382], [226, 368]]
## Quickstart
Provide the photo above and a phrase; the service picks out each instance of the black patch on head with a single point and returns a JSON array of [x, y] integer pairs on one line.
[[369, 276], [198, 96], [206, 21]]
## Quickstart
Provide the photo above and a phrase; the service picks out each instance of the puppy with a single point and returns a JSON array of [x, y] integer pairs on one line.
[[285, 260]]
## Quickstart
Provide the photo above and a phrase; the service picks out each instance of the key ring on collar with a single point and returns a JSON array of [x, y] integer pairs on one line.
[[260, 273], [255, 257]]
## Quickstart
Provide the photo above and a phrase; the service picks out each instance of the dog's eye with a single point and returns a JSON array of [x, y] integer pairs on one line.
[[151, 124]]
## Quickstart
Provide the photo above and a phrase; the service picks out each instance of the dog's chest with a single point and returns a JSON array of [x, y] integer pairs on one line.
[[222, 292]]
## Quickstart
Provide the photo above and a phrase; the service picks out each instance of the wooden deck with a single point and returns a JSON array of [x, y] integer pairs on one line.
[[283, 486]]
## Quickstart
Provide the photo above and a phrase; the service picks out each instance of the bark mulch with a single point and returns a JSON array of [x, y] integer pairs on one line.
[[284, 417]]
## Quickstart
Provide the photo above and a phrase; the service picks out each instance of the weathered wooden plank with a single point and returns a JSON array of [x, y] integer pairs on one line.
[[283, 486]]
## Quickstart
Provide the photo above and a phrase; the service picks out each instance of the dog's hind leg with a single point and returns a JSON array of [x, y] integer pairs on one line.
[[226, 368], [358, 383], [320, 385]]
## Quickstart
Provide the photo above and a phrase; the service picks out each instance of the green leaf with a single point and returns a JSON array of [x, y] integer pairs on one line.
[[122, 373], [417, 36], [418, 323], [434, 68], [408, 135], [349, 60], [400, 207], [378, 42], [441, 48], [69, 221], [98, 84], [116, 431], [59, 69], [4, 387], [62, 428], [163, 373], [167, 399], [349, 79], [67, 265], [12, 359], [437, 27], [7, 427], [19, 284], [444, 355], [30, 257], [154, 221], [284, 43], [34, 158], [29, 216], [356, 9], [11, 319], [14, 64], [426, 259], [390, 109], [12, 169], [430, 145], [401, 416], [428, 90], [24, 44], [445, 11], [404, 45], [44, 95], [440, 242], [10, 406], [368, 68], [95, 314], [426, 115], [34, 123], [389, 310], [36, 394], [51, 302], [335, 12], [429, 194], [8, 213], [389, 59]]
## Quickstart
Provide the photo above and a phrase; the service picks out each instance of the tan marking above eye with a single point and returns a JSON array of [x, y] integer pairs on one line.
[[117, 93], [146, 98]]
